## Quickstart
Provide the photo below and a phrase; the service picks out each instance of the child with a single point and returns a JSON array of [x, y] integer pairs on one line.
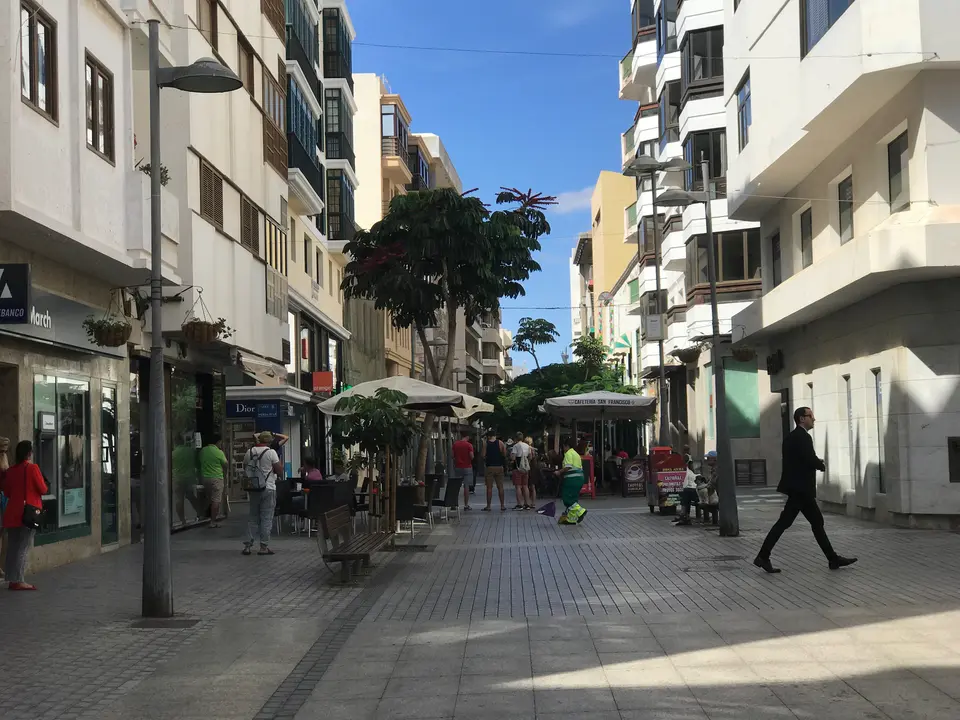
[[573, 479]]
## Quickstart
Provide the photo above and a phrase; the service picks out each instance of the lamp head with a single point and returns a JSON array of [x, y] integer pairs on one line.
[[205, 75], [641, 165], [674, 197]]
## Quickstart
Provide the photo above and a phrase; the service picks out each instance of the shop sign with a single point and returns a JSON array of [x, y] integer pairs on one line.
[[268, 410], [15, 302], [635, 479], [323, 381], [57, 320], [241, 409]]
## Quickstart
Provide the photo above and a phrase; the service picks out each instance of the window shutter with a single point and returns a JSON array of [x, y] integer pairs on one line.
[[218, 200], [206, 191]]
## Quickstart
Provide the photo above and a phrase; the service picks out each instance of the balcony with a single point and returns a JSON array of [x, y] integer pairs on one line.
[[336, 65], [639, 66], [492, 335], [631, 223], [339, 148], [645, 128], [396, 161], [297, 53], [342, 228], [306, 178], [138, 242], [673, 249], [418, 183]]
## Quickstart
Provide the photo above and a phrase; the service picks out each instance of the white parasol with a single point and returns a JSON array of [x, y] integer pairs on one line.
[[421, 396], [609, 405]]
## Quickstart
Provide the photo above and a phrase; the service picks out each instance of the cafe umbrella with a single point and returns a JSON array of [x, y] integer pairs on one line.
[[603, 405]]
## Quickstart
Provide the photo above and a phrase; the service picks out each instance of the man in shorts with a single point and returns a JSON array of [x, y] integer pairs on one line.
[[463, 464], [213, 465], [520, 454]]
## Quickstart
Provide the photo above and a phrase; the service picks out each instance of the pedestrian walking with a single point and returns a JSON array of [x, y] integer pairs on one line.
[[798, 481], [520, 454], [24, 487], [261, 467], [213, 467], [463, 465], [495, 458], [571, 483], [535, 475]]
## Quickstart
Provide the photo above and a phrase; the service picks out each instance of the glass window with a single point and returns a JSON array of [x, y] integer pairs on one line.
[[712, 145], [38, 52], [109, 517], [702, 56], [61, 449], [670, 101], [806, 237], [186, 495], [898, 170], [816, 18], [732, 258], [737, 254], [744, 111], [666, 28], [845, 198]]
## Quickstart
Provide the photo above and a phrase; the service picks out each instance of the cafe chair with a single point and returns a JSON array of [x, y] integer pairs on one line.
[[451, 499]]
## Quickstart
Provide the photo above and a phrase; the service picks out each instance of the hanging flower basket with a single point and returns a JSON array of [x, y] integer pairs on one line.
[[204, 332], [688, 355], [108, 331], [744, 354]]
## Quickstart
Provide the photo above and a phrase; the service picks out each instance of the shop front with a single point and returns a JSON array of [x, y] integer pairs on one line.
[[69, 397]]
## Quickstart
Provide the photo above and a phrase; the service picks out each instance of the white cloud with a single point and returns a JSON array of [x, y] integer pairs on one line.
[[573, 201]]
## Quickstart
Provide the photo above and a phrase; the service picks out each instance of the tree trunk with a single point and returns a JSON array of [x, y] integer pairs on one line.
[[536, 362]]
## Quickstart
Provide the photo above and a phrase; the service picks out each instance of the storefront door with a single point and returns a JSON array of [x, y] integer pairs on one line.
[[109, 518]]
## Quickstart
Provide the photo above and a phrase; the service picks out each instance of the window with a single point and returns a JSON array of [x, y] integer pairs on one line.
[[845, 199], [99, 82], [330, 275], [274, 125], [878, 401], [275, 249], [276, 287], [702, 57], [737, 254], [816, 18], [743, 398], [38, 59], [641, 17], [670, 101], [775, 262], [633, 290], [207, 21], [246, 64], [302, 122], [666, 28], [275, 13], [306, 254], [898, 171], [712, 145], [318, 267], [109, 450], [806, 237], [744, 111], [62, 450], [249, 226], [211, 195]]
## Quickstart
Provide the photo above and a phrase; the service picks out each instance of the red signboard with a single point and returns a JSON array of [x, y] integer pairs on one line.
[[323, 381]]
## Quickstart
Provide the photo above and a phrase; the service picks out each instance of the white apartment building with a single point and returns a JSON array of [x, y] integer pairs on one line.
[[846, 154], [576, 299], [675, 72]]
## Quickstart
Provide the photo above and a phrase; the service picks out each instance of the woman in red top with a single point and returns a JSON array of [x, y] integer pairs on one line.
[[23, 484]]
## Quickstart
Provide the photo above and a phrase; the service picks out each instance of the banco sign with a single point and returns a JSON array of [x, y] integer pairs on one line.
[[15, 305]]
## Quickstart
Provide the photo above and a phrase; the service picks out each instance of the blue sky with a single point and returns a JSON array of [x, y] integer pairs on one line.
[[547, 123]]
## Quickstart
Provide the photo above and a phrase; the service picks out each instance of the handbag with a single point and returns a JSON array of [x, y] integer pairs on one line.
[[31, 514]]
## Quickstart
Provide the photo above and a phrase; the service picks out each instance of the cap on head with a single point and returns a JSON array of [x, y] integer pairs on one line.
[[265, 437], [712, 455]]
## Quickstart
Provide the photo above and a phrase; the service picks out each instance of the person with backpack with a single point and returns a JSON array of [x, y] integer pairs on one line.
[[521, 473], [495, 458], [261, 468]]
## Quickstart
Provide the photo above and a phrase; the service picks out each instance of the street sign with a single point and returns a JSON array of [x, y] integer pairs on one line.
[[15, 294], [323, 381]]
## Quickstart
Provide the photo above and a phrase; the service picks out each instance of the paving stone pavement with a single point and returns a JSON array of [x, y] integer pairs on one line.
[[624, 617]]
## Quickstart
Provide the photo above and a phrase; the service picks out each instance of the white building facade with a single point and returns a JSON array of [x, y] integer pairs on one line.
[[846, 156], [674, 72]]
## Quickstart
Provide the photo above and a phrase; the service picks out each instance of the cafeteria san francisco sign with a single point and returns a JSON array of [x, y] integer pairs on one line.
[[15, 305], [604, 402]]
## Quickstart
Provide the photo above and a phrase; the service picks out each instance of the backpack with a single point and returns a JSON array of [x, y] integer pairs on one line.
[[253, 478], [523, 461]]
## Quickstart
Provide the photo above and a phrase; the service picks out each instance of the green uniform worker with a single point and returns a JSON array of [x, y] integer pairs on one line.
[[573, 480]]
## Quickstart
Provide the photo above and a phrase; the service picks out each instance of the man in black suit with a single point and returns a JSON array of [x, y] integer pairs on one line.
[[798, 481]]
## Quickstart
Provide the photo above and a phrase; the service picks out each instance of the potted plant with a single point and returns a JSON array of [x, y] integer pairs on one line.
[[687, 355], [108, 331], [743, 354], [204, 332]]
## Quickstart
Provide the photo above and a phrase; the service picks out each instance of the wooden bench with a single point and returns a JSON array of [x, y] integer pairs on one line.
[[346, 547]]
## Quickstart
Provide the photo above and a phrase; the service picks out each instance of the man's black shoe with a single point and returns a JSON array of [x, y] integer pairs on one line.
[[840, 561], [765, 565]]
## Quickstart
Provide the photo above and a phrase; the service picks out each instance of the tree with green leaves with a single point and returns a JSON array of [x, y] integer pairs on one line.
[[438, 252], [591, 354], [533, 332]]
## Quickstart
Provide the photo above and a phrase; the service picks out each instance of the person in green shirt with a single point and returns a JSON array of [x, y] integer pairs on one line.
[[213, 465], [573, 479], [184, 466]]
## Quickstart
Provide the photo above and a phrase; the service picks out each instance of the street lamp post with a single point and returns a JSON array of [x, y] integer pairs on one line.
[[646, 166], [726, 481], [204, 76]]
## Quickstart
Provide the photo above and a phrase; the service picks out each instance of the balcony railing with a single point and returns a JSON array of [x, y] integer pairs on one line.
[[342, 228], [419, 183], [626, 66], [632, 215], [295, 51], [391, 147], [300, 158], [335, 65], [339, 148]]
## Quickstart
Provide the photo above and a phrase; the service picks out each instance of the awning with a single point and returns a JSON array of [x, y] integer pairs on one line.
[[608, 405]]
